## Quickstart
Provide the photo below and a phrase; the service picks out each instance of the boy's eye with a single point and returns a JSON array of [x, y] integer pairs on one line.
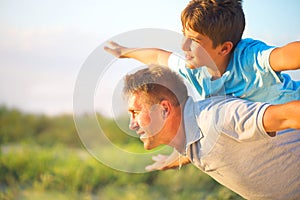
[[195, 40]]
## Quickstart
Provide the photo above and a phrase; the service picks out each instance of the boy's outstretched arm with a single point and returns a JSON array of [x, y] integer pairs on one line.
[[286, 57], [283, 116], [144, 55]]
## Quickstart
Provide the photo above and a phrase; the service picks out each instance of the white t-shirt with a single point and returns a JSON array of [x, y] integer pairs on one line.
[[226, 139]]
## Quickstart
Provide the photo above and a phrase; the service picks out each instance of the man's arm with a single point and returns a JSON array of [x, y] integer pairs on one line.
[[144, 55], [163, 162], [283, 116], [286, 57]]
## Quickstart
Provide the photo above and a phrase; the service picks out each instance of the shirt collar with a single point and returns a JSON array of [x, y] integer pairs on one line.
[[191, 128]]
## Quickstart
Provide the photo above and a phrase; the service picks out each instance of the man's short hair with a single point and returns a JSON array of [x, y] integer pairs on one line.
[[157, 83]]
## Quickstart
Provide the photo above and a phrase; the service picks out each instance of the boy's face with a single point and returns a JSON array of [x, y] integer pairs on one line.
[[198, 50], [147, 121]]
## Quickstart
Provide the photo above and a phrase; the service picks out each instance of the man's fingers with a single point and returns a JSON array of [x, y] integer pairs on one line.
[[155, 166], [159, 163], [159, 158], [149, 168]]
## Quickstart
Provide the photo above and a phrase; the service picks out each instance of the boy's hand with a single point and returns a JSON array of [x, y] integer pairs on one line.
[[117, 50], [144, 55]]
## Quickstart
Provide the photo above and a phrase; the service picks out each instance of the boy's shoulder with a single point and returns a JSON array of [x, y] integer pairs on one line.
[[249, 46], [250, 42]]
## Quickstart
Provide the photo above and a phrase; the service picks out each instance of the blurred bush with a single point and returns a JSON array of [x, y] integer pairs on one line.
[[41, 157]]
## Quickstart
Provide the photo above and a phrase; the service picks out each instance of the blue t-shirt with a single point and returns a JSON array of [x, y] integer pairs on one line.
[[248, 75]]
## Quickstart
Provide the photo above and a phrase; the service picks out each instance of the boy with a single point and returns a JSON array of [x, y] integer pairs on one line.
[[247, 68]]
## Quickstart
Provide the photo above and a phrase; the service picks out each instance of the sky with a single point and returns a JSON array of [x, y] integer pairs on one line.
[[44, 43]]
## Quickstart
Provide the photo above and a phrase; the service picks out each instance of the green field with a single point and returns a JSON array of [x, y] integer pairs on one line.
[[42, 157]]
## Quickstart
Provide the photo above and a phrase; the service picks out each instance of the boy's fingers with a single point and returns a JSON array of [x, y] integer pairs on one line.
[[113, 44], [107, 49]]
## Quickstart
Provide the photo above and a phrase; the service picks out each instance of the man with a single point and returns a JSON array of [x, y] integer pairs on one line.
[[236, 142]]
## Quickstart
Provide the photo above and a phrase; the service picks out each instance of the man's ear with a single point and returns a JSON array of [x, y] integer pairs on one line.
[[166, 107], [226, 48]]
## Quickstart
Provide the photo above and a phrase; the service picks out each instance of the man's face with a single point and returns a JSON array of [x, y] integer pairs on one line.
[[198, 49], [147, 120]]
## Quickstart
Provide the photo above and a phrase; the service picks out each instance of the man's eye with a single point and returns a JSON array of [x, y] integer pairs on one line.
[[135, 113]]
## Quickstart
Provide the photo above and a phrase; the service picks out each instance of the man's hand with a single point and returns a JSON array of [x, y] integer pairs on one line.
[[160, 163], [164, 162]]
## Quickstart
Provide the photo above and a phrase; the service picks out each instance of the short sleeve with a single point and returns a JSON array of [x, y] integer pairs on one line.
[[176, 62], [242, 120], [263, 58]]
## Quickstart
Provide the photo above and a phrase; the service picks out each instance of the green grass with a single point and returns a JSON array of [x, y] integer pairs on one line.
[[42, 157], [34, 172]]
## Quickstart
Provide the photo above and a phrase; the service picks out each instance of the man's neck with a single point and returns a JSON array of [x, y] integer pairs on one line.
[[179, 140]]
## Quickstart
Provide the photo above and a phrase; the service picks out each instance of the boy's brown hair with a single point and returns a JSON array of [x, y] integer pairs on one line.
[[220, 20]]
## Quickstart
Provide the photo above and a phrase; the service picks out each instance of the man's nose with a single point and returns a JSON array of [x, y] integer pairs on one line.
[[133, 125], [186, 44]]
